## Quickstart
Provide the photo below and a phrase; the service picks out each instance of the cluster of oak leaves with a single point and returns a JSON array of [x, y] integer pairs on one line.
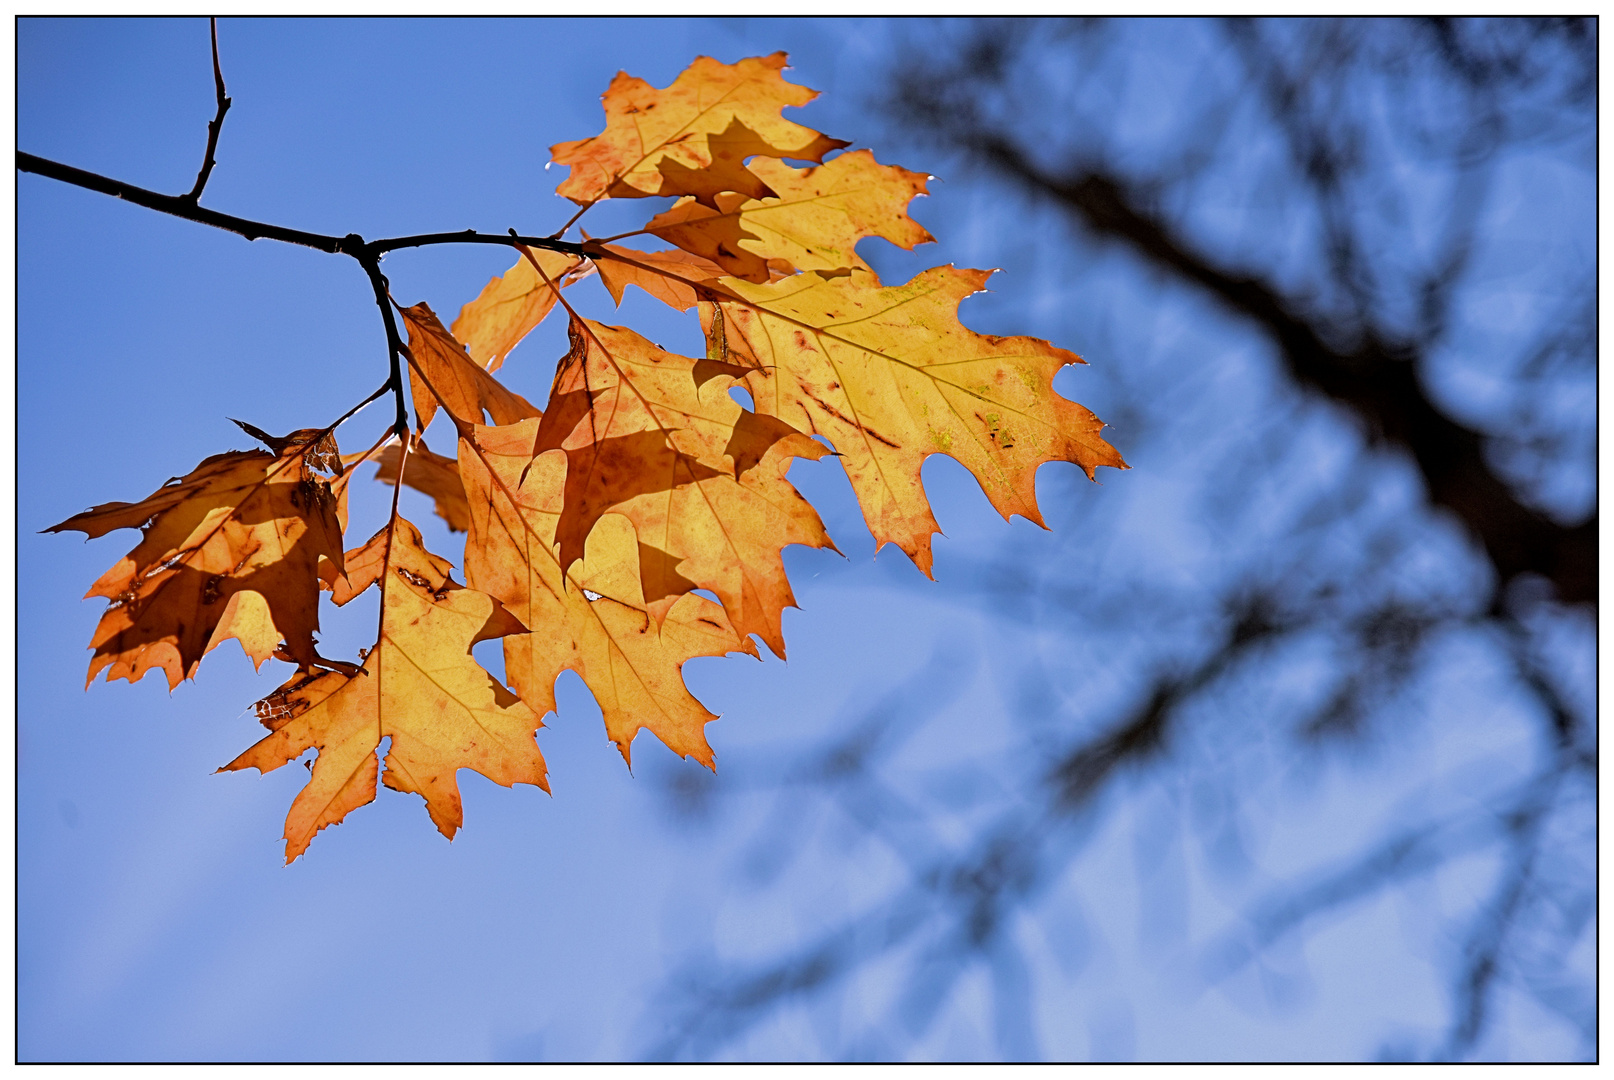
[[590, 525]]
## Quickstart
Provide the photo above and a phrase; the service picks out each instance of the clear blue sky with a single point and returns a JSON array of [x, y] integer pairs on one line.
[[155, 918]]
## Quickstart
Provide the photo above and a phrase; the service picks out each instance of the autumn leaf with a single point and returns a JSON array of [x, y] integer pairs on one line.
[[440, 370], [812, 222], [673, 277], [890, 376], [591, 619], [656, 437], [690, 138], [431, 474], [419, 687], [512, 304], [229, 551]]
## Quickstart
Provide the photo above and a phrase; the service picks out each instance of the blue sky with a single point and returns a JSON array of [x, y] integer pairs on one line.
[[155, 918]]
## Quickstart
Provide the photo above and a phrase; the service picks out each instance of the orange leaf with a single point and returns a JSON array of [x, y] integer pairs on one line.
[[670, 276], [231, 550], [593, 618], [439, 368], [656, 437], [512, 304], [419, 687], [711, 116], [432, 474]]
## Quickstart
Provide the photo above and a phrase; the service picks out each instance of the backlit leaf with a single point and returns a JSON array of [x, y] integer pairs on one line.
[[419, 687], [658, 142], [231, 550], [890, 376]]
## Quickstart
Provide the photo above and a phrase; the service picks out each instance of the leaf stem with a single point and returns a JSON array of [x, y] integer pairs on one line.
[[386, 562], [382, 389]]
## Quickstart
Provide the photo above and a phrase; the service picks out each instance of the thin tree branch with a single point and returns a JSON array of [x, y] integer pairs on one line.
[[471, 236], [368, 253], [396, 349], [184, 206], [216, 124], [180, 206]]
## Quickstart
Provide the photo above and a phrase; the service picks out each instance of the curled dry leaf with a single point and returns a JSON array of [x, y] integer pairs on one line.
[[229, 551]]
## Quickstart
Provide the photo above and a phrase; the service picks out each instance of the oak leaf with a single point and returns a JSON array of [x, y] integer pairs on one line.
[[676, 278], [512, 304], [419, 686], [656, 437], [440, 371], [592, 618], [812, 222], [890, 376], [230, 550], [431, 474], [661, 142]]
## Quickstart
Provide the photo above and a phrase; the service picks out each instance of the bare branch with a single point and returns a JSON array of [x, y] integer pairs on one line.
[[215, 125]]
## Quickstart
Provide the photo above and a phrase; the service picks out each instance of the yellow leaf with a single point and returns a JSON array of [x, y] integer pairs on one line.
[[512, 304], [890, 376], [813, 222]]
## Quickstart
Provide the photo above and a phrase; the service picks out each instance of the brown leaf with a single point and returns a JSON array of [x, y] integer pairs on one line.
[[440, 369], [419, 687], [231, 550], [654, 140]]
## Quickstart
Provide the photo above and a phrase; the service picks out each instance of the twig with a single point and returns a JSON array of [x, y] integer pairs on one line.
[[395, 346], [216, 124]]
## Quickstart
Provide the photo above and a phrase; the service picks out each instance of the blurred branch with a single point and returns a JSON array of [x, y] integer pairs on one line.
[[1371, 371], [1377, 379]]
